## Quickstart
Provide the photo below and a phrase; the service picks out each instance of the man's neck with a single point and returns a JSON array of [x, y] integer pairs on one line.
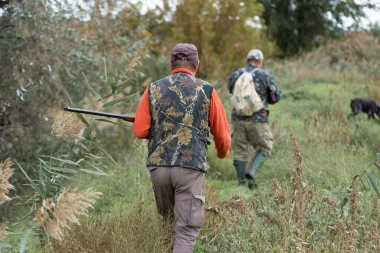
[[253, 63], [184, 70]]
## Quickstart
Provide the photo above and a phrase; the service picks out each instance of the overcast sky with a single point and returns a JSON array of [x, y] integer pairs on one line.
[[373, 15]]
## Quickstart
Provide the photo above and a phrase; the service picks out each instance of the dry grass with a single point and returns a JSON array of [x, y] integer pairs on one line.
[[293, 218], [335, 129], [139, 231], [6, 171], [353, 59], [3, 231], [57, 215], [373, 88]]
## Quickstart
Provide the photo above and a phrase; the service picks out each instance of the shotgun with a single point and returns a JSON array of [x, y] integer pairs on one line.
[[124, 117]]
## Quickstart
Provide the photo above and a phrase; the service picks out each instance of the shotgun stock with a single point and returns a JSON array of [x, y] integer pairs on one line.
[[124, 117]]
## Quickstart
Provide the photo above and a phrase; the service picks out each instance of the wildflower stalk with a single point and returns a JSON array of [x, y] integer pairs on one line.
[[6, 171], [298, 197], [68, 125], [55, 215]]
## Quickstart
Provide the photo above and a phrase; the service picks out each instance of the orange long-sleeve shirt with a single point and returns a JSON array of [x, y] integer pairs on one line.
[[219, 127]]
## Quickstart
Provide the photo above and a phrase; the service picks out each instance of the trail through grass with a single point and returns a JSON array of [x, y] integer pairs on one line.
[[240, 220]]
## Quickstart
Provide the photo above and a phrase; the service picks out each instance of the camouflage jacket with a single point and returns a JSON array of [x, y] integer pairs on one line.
[[179, 105], [265, 86]]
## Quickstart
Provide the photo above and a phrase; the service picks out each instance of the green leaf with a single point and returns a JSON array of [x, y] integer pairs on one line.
[[34, 186], [105, 71], [378, 155], [61, 175], [112, 122], [113, 102], [68, 96], [377, 165], [94, 156], [79, 143], [4, 245], [372, 180], [105, 152], [64, 170], [83, 119], [93, 172], [24, 241], [79, 161], [87, 132], [68, 72], [61, 160], [98, 169], [41, 182], [91, 88]]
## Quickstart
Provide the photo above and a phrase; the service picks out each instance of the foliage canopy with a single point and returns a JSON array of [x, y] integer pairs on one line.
[[300, 25]]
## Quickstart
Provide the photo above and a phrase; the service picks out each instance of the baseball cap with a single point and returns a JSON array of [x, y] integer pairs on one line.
[[255, 54], [185, 50]]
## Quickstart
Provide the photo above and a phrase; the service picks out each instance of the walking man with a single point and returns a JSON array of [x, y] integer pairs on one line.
[[252, 129], [176, 114]]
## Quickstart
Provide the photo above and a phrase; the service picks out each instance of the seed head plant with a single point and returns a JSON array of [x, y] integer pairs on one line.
[[67, 125], [55, 215], [6, 171], [3, 231]]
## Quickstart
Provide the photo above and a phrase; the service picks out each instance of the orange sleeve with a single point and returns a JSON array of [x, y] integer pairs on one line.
[[141, 126], [219, 127]]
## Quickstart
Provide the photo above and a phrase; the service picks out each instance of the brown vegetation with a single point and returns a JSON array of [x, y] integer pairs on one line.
[[6, 171], [55, 215]]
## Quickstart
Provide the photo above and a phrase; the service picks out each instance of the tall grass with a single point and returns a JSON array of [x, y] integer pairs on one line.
[[308, 204], [136, 228], [315, 202], [55, 215], [293, 218], [6, 171]]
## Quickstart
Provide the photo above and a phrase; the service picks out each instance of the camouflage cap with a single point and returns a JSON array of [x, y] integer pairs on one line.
[[255, 54], [184, 51]]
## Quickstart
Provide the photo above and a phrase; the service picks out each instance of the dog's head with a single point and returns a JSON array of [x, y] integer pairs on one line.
[[352, 103]]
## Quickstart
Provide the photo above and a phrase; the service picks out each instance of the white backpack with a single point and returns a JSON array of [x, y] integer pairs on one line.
[[245, 100]]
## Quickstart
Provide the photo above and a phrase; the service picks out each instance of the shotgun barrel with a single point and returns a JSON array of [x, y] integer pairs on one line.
[[125, 117]]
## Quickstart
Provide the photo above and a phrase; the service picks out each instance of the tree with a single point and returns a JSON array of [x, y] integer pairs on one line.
[[51, 53], [223, 30], [300, 25]]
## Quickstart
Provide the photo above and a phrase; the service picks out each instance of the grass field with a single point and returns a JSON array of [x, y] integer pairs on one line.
[[316, 192], [333, 151]]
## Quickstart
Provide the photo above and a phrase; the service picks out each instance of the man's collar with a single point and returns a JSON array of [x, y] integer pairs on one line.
[[187, 71], [252, 65]]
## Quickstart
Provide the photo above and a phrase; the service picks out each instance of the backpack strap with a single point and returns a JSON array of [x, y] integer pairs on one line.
[[254, 70], [251, 72]]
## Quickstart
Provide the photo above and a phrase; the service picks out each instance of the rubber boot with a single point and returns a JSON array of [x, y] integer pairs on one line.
[[257, 161], [240, 171]]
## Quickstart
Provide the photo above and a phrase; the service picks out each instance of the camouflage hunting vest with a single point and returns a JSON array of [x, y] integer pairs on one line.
[[179, 106]]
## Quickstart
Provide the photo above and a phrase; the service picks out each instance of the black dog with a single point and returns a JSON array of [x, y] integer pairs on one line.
[[363, 105]]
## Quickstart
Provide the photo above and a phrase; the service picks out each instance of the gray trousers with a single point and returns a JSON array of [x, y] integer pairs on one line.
[[179, 193]]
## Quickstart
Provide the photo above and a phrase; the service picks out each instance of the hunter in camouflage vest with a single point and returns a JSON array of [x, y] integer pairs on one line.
[[176, 114], [180, 109]]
